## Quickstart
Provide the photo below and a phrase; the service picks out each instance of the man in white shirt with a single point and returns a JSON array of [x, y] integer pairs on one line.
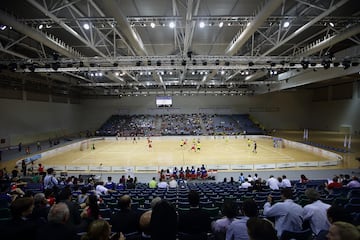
[[285, 183], [273, 183], [354, 183], [245, 184], [315, 212], [50, 181], [100, 189], [288, 215], [163, 184], [237, 228], [173, 183]]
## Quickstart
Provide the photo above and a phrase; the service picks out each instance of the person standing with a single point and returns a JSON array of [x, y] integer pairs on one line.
[[41, 169], [23, 167], [50, 181], [255, 147]]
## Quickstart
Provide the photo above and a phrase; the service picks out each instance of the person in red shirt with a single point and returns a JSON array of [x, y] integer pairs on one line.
[[40, 168], [334, 184]]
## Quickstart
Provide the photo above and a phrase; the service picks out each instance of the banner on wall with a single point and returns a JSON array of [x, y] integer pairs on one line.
[[29, 159]]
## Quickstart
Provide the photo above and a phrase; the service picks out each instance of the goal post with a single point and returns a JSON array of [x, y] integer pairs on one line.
[[84, 145]]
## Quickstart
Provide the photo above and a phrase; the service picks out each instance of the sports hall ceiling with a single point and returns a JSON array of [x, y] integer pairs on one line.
[[131, 47]]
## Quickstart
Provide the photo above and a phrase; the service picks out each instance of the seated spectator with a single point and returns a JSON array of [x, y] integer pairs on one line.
[[65, 197], [181, 173], [337, 214], [354, 183], [101, 230], [163, 224], [145, 219], [303, 179], [130, 184], [245, 184], [152, 183], [288, 215], [260, 229], [255, 177], [50, 196], [258, 185], [5, 195], [41, 208], [285, 183], [229, 211], [57, 227], [175, 173], [15, 187], [20, 226], [315, 212], [204, 173], [238, 229], [167, 174], [346, 179], [163, 184], [334, 184], [122, 180], [110, 184], [82, 197], [91, 211], [126, 220], [343, 231], [173, 183], [273, 183], [195, 221], [241, 178], [101, 189]]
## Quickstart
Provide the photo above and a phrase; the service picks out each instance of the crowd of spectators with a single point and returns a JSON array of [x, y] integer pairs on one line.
[[178, 124], [265, 209], [128, 125]]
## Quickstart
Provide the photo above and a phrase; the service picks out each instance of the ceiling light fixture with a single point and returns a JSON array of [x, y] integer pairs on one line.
[[221, 24], [3, 27], [201, 24], [86, 26], [331, 24], [152, 25], [40, 26], [172, 25], [286, 24]]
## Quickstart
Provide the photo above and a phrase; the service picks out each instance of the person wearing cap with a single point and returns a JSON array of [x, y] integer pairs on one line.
[[315, 212]]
